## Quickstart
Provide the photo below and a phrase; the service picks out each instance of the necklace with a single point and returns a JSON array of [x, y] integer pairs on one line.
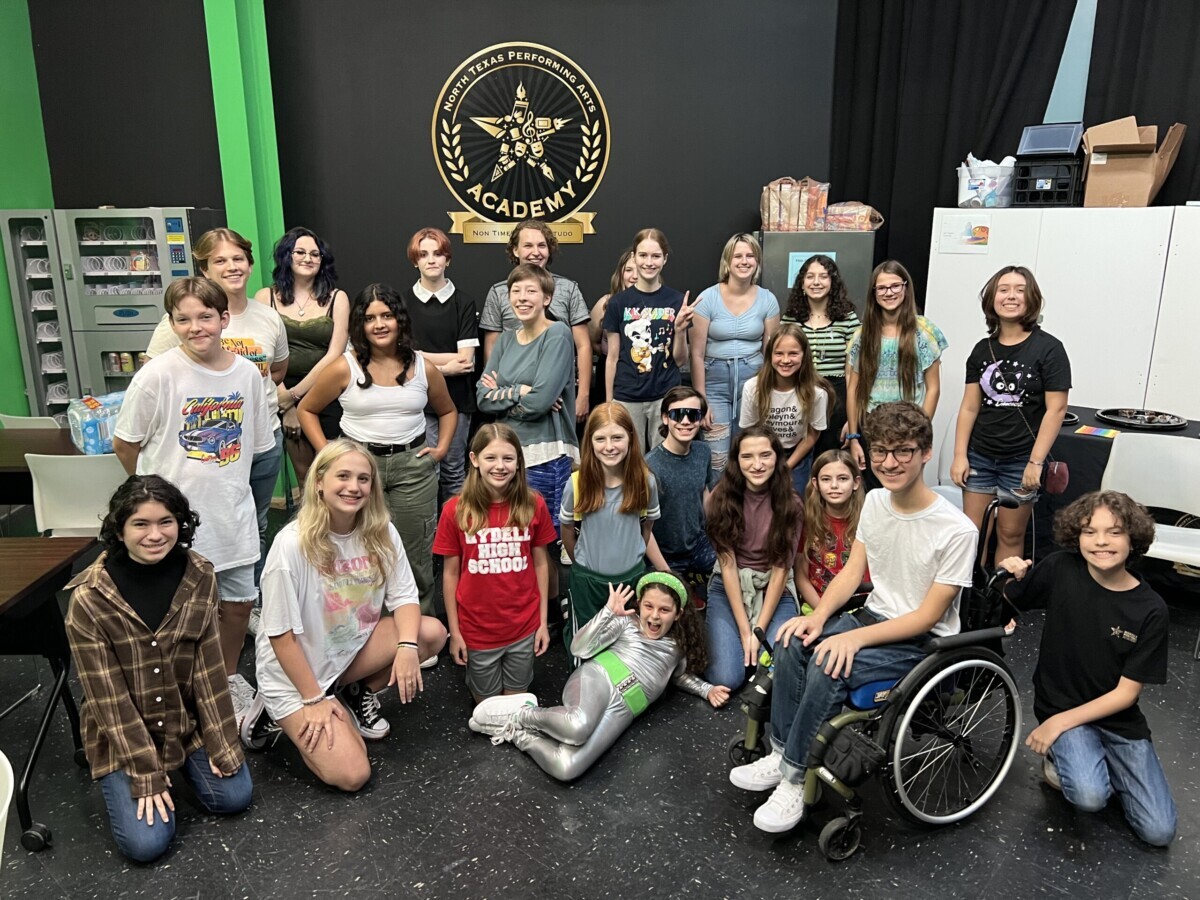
[[302, 308]]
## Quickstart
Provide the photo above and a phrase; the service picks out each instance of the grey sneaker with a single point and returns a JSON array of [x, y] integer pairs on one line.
[[259, 730], [242, 693], [1050, 774]]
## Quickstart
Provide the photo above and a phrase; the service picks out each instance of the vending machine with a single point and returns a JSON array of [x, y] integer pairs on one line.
[[87, 290]]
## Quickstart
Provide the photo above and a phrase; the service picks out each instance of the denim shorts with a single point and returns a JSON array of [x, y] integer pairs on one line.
[[236, 585], [989, 475]]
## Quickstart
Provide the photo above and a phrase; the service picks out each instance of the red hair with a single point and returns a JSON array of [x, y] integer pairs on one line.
[[428, 234]]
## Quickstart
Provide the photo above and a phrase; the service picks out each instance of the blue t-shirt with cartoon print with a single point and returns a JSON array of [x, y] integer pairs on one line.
[[645, 324]]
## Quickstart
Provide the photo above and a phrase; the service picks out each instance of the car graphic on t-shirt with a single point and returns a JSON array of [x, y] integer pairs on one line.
[[213, 438]]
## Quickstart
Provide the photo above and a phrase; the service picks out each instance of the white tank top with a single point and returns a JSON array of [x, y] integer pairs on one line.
[[385, 414]]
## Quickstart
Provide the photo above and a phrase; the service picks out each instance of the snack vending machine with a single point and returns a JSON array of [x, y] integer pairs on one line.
[[87, 290]]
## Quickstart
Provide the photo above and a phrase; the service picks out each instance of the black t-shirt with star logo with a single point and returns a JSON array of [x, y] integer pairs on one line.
[[1092, 638]]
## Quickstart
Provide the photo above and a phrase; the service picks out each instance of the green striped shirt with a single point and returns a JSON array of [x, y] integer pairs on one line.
[[828, 344]]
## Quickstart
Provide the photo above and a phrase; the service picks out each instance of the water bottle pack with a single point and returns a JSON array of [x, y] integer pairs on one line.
[[92, 421]]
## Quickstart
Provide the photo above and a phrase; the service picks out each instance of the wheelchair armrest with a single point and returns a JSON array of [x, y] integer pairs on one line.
[[965, 639]]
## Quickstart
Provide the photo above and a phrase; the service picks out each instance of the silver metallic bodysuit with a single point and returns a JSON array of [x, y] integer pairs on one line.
[[565, 740]]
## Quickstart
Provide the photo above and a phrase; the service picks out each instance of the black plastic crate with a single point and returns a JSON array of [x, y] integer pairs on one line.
[[1048, 181]]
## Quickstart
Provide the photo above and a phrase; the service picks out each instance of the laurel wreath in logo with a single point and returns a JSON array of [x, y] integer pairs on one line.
[[589, 156], [452, 151]]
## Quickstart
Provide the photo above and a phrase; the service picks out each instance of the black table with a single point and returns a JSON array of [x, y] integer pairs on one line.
[[1086, 456], [32, 572]]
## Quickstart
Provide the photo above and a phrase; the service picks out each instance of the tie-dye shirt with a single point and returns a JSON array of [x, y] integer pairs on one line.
[[331, 615], [930, 344]]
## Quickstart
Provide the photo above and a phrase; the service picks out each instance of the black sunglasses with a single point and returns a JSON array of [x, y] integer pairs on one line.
[[684, 414]]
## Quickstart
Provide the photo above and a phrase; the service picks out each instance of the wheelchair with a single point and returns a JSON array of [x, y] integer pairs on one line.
[[940, 740]]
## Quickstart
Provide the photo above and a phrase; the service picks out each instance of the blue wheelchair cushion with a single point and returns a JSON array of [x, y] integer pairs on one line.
[[871, 694]]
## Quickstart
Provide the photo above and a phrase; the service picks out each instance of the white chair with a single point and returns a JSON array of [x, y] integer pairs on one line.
[[7, 783], [71, 493], [28, 421], [1160, 470]]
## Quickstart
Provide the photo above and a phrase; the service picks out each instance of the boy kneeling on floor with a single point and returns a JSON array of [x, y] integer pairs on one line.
[[921, 550], [1105, 636]]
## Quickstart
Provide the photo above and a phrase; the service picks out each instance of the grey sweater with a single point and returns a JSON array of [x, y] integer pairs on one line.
[[547, 365]]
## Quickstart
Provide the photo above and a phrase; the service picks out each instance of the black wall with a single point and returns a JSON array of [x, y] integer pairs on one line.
[[127, 102], [707, 101]]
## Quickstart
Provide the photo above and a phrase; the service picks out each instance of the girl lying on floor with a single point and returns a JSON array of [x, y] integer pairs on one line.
[[630, 656]]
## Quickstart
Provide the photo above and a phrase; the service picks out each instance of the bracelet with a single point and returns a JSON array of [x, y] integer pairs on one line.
[[412, 645], [1038, 464], [313, 701], [292, 394], [854, 436]]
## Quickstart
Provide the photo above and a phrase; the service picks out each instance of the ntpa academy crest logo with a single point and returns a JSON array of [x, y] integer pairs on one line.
[[520, 132]]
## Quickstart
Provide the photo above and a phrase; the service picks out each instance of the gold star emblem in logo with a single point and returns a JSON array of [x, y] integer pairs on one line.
[[521, 135]]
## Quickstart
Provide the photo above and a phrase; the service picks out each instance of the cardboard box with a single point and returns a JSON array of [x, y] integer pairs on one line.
[[1125, 163]]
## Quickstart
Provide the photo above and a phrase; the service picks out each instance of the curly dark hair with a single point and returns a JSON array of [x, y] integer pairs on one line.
[[1133, 517], [726, 520], [514, 240], [283, 281], [688, 632], [896, 422], [839, 307], [139, 489], [388, 295]]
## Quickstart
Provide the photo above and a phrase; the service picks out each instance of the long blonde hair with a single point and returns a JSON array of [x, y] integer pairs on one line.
[[370, 523], [476, 497], [806, 382], [816, 516]]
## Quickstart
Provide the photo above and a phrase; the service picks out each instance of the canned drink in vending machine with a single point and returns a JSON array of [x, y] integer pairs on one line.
[[142, 359], [126, 363], [112, 363]]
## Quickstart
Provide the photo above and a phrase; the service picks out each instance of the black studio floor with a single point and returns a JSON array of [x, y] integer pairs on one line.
[[447, 815]]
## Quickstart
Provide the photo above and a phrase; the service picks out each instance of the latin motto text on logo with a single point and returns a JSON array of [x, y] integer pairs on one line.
[[520, 132]]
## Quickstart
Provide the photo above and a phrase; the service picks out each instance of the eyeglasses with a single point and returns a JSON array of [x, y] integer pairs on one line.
[[311, 254], [684, 414], [883, 290], [902, 454]]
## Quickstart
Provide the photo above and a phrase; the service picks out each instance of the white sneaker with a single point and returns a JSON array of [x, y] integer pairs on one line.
[[241, 692], [492, 714], [429, 663], [760, 775], [1050, 774], [255, 618], [783, 810]]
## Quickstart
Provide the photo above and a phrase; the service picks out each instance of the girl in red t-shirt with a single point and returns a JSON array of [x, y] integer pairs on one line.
[[495, 575], [830, 519]]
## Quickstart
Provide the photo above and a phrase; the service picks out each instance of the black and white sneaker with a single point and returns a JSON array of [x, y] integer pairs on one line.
[[364, 707], [259, 730]]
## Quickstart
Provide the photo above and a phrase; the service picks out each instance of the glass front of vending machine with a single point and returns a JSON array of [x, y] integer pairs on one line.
[[116, 265], [39, 308]]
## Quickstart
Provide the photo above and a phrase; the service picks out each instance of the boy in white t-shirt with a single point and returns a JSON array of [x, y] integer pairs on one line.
[[196, 415], [921, 550]]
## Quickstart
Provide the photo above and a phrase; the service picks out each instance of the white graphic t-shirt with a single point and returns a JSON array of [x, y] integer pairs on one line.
[[257, 335], [331, 615], [786, 417], [200, 429]]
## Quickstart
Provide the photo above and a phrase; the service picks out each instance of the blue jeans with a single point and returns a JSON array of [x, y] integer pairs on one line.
[[801, 475], [726, 661], [723, 383], [264, 473], [452, 470], [804, 697], [145, 843], [1094, 763]]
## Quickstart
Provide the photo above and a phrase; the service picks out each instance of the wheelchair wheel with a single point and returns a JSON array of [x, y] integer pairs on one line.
[[840, 838], [741, 755], [954, 738]]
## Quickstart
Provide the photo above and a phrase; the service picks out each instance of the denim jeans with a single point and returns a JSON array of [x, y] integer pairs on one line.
[[264, 473], [145, 843], [723, 383], [726, 662], [452, 470], [1094, 763], [804, 697], [801, 475]]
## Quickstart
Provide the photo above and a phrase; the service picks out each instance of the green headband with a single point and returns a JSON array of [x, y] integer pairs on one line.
[[666, 579]]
